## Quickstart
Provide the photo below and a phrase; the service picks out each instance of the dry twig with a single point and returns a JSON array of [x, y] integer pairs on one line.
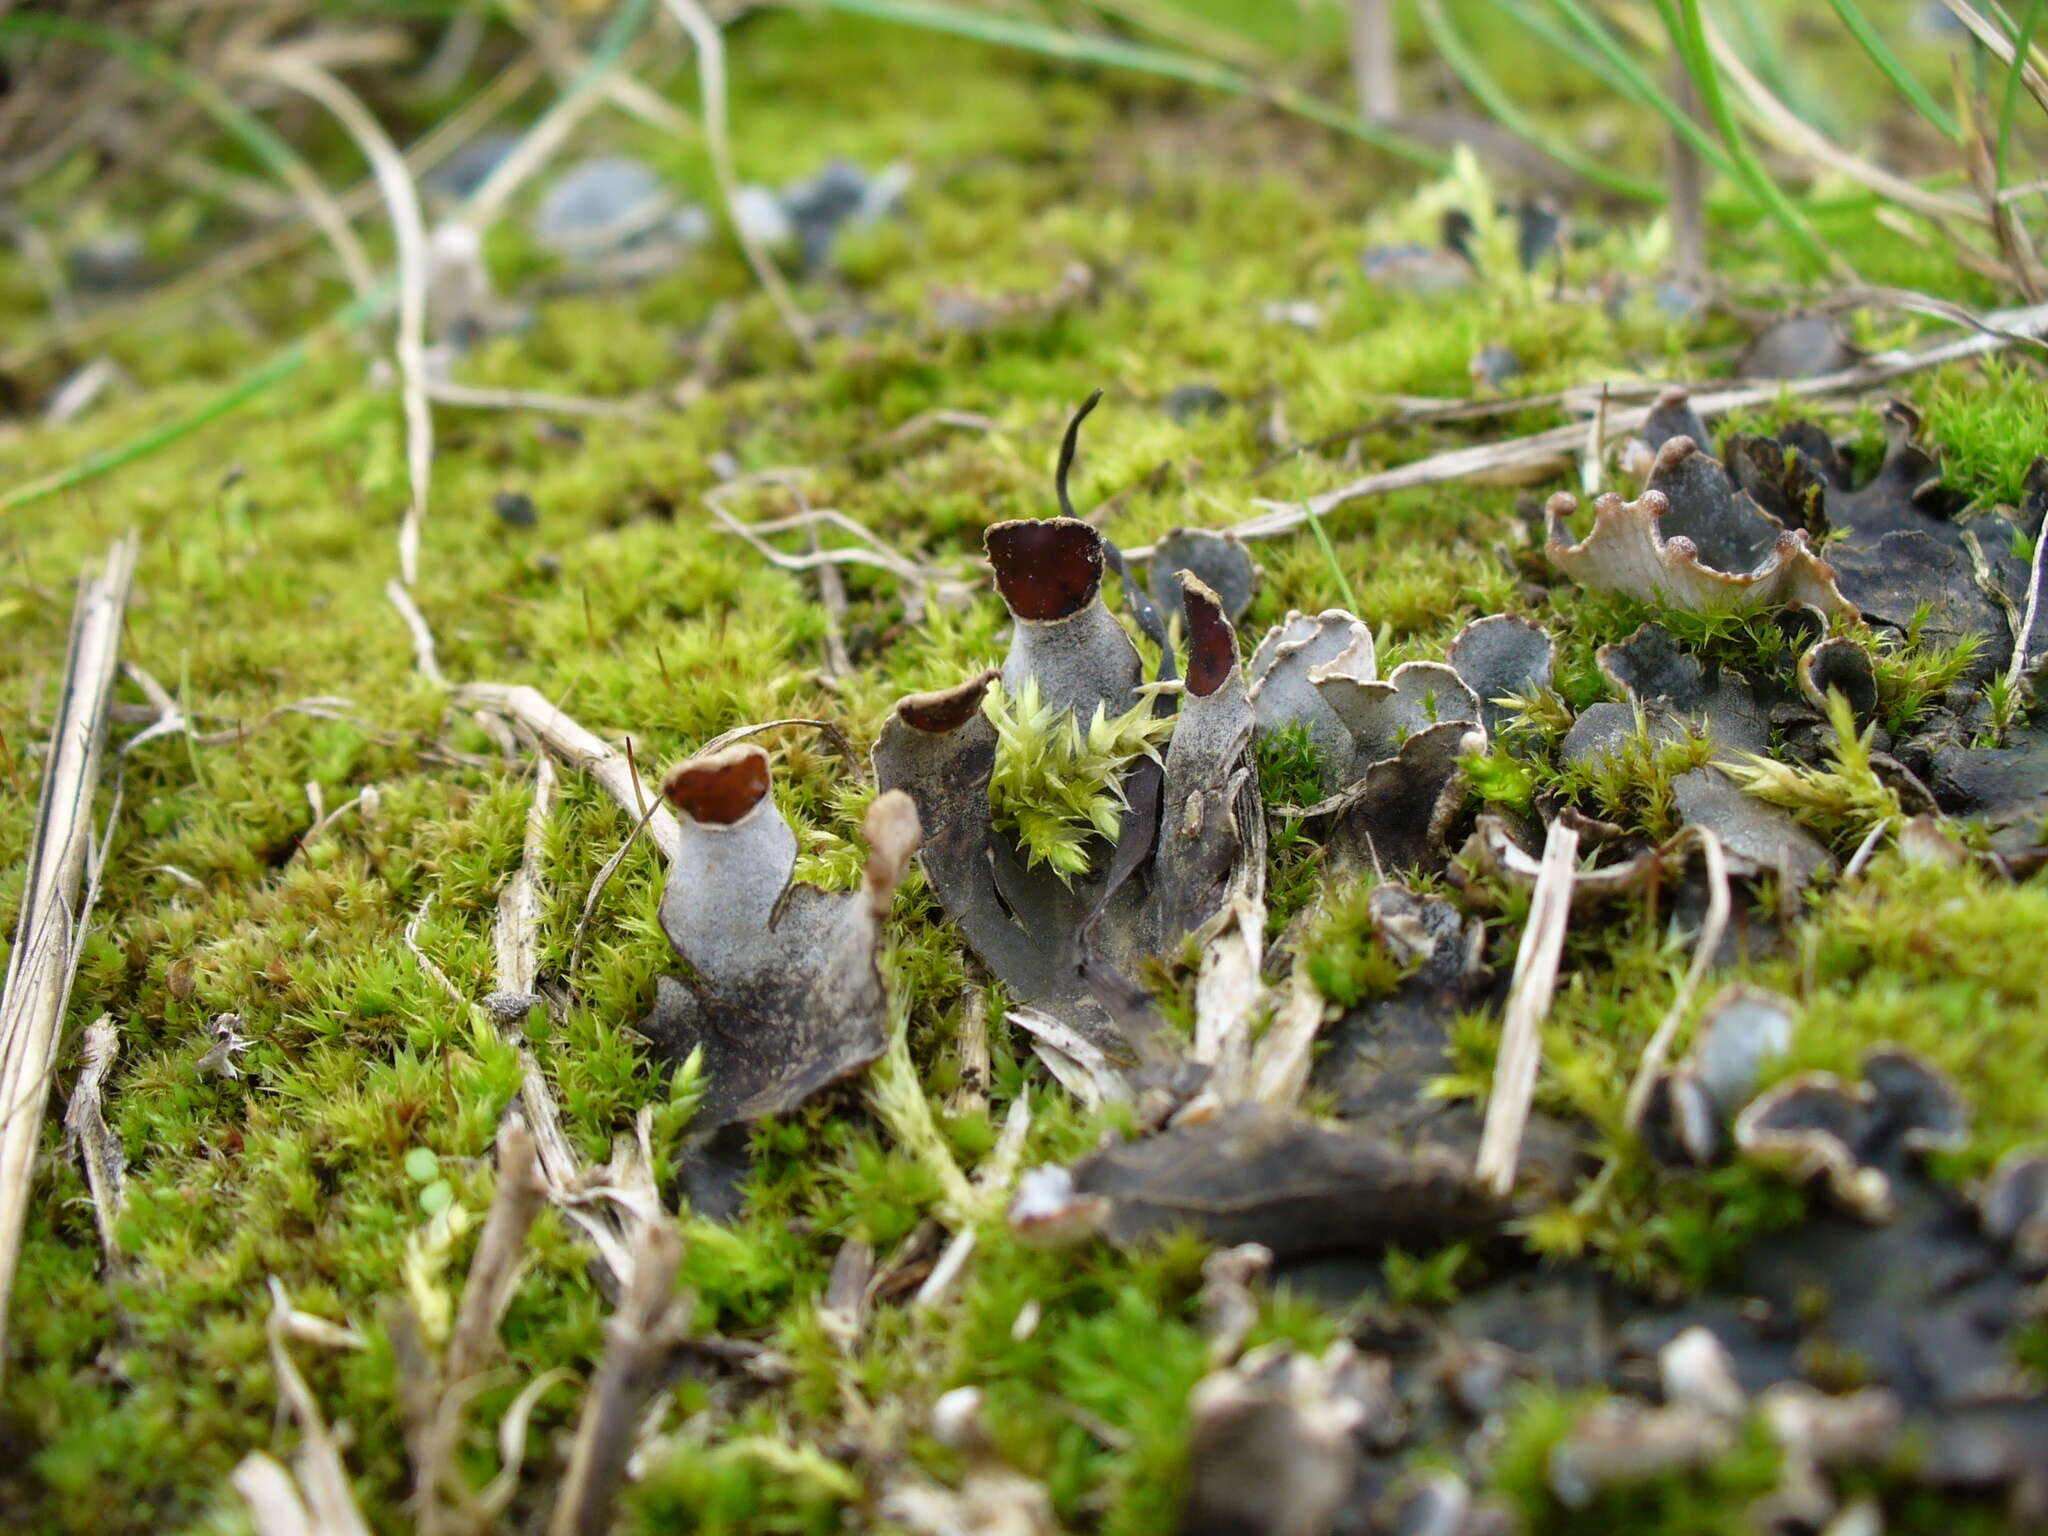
[[2000, 46], [578, 748], [1284, 1053], [423, 652], [436, 1397], [604, 1205], [1227, 994], [1521, 1028], [48, 938], [1792, 132], [1658, 1051], [639, 1342], [516, 934], [319, 1494], [442, 392], [500, 1251], [971, 1042], [272, 1496], [99, 1149], [409, 229], [710, 45]]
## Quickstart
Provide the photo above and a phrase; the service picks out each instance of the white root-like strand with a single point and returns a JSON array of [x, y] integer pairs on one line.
[[423, 651], [1658, 1051], [709, 43], [409, 231]]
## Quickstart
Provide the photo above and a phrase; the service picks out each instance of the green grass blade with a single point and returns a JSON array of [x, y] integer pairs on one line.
[[1465, 64], [280, 365], [1769, 66], [609, 47], [1688, 36], [1873, 43], [1138, 58], [1643, 90], [244, 126], [1344, 591], [1315, 523], [2023, 50], [1560, 43]]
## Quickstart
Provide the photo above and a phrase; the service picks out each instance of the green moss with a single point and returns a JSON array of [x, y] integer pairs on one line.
[[1697, 1504], [1290, 774], [1986, 423], [1631, 785], [1845, 800], [1057, 784], [1345, 957]]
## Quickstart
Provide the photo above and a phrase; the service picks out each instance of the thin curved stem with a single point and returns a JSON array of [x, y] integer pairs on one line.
[[709, 44], [1688, 36], [1466, 66], [250, 131], [1009, 32], [409, 228], [1902, 81], [1642, 89], [2012, 89]]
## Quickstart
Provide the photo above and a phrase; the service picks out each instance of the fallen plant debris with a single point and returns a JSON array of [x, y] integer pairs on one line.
[[85, 1128], [61, 880], [1255, 1175]]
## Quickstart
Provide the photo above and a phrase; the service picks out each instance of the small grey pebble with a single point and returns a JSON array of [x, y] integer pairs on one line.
[[1494, 365], [515, 509], [511, 1007], [109, 262], [1416, 268], [604, 205], [471, 166], [1679, 301], [1192, 400], [1797, 347]]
